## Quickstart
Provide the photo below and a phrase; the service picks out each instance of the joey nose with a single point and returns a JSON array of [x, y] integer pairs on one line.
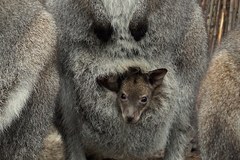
[[130, 119]]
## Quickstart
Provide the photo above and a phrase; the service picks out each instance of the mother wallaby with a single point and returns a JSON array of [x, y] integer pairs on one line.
[[29, 79], [103, 37]]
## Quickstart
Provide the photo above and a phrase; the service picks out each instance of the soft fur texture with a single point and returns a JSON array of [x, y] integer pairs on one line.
[[101, 37], [29, 80], [219, 103], [53, 147]]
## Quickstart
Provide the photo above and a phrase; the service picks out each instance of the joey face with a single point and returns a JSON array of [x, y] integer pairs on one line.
[[134, 90], [134, 97]]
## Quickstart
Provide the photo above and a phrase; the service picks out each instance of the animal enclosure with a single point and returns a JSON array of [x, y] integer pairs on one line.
[[221, 17]]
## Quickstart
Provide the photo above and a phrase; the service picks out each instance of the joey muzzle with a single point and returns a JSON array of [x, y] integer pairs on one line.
[[131, 114]]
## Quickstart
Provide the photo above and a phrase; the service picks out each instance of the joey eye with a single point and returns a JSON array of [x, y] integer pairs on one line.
[[144, 99], [123, 97]]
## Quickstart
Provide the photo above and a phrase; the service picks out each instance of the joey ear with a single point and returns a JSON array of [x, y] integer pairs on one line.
[[156, 76], [110, 82], [134, 70]]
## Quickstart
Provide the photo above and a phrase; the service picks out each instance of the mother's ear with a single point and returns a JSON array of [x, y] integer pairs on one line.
[[156, 76], [111, 82]]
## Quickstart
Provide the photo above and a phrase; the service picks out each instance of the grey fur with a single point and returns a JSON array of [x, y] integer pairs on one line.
[[42, 1], [53, 147], [219, 103], [102, 37], [29, 81]]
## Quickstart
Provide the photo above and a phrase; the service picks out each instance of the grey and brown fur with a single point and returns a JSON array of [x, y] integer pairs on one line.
[[135, 91], [104, 37], [28, 77], [53, 147], [219, 103], [43, 2]]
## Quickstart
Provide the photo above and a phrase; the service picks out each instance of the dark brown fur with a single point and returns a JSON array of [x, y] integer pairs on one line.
[[135, 90]]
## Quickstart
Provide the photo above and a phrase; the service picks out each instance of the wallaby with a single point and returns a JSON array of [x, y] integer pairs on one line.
[[104, 37], [219, 102], [29, 80], [135, 91], [43, 2]]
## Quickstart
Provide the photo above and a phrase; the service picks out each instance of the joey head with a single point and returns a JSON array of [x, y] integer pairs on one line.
[[134, 90]]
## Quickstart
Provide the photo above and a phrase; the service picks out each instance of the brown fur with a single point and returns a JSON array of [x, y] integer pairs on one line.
[[53, 147], [219, 103], [135, 90]]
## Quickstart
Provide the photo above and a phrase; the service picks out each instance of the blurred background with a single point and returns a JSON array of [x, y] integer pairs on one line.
[[221, 17]]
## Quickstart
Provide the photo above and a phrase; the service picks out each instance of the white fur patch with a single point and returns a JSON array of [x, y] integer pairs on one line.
[[120, 11], [117, 8], [15, 103]]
